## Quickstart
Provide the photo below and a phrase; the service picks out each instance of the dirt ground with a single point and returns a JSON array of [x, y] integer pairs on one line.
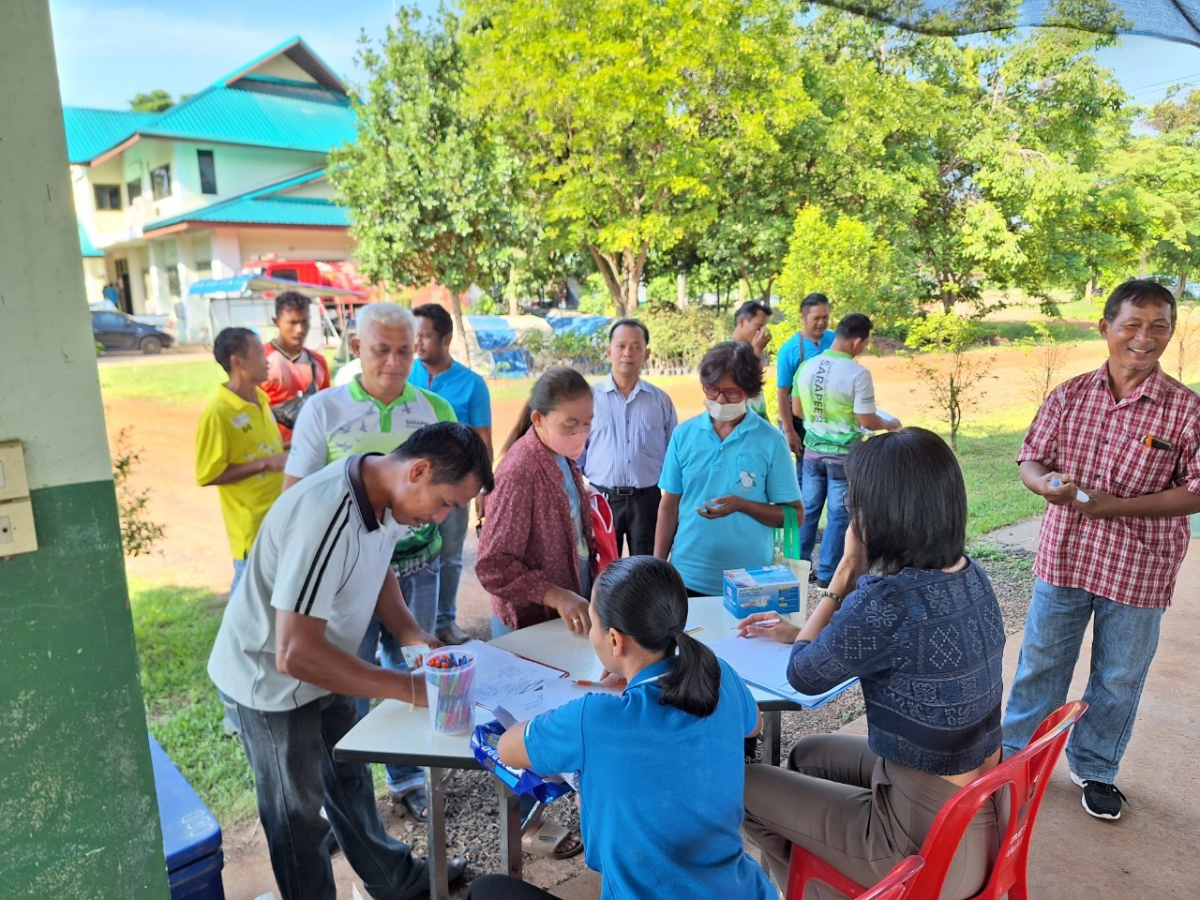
[[195, 552]]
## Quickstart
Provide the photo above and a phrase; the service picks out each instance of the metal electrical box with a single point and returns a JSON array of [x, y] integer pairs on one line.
[[17, 533]]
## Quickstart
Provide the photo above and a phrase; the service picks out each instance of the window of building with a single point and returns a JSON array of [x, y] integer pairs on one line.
[[208, 171], [173, 286], [108, 196], [133, 189], [160, 182]]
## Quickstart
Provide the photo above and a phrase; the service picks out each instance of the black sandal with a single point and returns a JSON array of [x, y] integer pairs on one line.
[[416, 802]]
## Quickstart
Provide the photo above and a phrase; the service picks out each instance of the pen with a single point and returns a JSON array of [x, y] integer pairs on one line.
[[762, 623], [1079, 495], [583, 682]]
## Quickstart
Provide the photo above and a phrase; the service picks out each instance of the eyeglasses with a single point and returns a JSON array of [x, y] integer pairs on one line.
[[846, 501], [729, 395]]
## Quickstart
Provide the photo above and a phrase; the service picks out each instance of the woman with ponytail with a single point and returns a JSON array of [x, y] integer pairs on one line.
[[660, 766], [537, 552]]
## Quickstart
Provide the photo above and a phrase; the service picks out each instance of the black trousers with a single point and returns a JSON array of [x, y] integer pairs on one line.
[[635, 517]]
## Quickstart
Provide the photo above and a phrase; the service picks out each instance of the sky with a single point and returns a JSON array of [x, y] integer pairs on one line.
[[108, 51]]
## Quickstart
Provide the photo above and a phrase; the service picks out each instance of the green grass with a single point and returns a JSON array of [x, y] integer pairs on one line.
[[175, 629], [184, 384]]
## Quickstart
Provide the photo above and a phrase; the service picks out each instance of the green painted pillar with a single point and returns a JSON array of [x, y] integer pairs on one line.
[[78, 816]]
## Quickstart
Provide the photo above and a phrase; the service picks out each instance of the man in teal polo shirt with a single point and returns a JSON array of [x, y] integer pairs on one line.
[[836, 398], [725, 479], [377, 412], [436, 370]]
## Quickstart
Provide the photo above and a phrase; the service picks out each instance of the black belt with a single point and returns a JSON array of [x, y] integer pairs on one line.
[[623, 491]]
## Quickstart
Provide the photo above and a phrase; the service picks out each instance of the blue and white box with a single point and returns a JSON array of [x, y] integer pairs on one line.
[[761, 589]]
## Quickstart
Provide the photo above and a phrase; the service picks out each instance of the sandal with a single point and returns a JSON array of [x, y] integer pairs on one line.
[[416, 802], [571, 845]]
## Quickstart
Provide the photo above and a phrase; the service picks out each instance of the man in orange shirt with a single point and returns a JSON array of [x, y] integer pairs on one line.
[[292, 370]]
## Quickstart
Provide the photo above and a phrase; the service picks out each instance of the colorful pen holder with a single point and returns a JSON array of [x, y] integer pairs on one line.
[[450, 689]]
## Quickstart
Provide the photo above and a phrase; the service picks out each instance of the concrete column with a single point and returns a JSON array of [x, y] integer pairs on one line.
[[81, 817], [187, 268], [226, 253], [159, 300], [136, 258]]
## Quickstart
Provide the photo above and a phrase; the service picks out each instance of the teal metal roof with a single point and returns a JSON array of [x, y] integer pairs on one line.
[[243, 108], [295, 49], [86, 247], [267, 206], [92, 131], [262, 114]]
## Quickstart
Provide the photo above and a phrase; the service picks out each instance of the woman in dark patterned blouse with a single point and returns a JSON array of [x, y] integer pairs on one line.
[[537, 553], [920, 626]]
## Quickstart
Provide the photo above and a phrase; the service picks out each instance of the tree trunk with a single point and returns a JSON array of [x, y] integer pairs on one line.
[[1142, 264], [510, 292], [456, 308], [622, 273], [681, 290], [1181, 286]]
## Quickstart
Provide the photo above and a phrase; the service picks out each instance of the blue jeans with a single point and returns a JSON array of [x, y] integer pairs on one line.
[[454, 534], [420, 589], [1124, 639], [295, 774], [239, 569], [824, 485]]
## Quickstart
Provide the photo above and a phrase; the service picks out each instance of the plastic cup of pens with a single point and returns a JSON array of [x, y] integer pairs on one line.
[[450, 688]]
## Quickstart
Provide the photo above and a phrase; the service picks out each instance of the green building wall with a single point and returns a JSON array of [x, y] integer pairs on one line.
[[78, 816]]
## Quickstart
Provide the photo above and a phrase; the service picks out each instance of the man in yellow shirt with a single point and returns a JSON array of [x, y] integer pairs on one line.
[[238, 446]]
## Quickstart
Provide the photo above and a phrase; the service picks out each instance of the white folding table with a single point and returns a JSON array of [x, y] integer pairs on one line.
[[395, 732]]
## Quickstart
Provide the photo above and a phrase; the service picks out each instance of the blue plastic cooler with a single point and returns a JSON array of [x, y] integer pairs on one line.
[[191, 836]]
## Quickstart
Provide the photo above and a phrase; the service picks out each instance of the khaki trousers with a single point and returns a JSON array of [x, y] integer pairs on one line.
[[861, 814]]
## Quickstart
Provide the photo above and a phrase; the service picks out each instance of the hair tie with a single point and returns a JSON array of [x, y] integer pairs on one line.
[[676, 631]]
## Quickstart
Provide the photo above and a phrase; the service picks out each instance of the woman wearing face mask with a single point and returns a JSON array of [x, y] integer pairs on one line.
[[537, 553], [725, 479]]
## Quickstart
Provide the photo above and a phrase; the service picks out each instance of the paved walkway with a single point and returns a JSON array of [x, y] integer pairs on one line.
[[1153, 851]]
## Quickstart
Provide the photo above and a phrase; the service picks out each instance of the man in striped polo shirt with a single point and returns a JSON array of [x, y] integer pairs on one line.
[[285, 652], [632, 426], [378, 411]]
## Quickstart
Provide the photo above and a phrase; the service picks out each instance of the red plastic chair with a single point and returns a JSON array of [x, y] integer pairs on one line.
[[896, 885], [1026, 775]]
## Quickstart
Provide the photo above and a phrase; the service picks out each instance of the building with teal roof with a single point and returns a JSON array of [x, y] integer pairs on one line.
[[232, 174]]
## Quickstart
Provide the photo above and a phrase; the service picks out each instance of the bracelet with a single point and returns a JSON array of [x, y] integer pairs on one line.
[[836, 598]]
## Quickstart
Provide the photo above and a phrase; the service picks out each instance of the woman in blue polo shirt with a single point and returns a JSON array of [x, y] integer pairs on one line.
[[661, 766], [726, 478]]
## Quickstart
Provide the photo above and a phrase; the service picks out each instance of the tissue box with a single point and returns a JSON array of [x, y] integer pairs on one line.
[[761, 589]]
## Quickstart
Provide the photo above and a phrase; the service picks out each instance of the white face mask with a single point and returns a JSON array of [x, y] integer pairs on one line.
[[725, 412]]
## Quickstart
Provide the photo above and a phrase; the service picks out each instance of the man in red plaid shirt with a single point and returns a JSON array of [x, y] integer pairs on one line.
[[1116, 454]]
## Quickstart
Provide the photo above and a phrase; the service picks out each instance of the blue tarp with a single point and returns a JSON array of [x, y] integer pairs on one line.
[[497, 338], [578, 324], [250, 284], [493, 332]]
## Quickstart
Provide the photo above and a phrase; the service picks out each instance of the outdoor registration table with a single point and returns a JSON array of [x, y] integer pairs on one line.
[[395, 732]]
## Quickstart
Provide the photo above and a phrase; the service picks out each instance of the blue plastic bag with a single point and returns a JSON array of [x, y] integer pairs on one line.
[[522, 781]]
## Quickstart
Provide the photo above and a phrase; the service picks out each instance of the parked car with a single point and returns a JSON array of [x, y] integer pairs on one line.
[[117, 331]]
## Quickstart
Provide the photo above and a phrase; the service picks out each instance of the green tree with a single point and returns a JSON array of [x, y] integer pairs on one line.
[[432, 194], [955, 382], [620, 110], [1166, 166], [985, 185], [840, 256], [154, 101]]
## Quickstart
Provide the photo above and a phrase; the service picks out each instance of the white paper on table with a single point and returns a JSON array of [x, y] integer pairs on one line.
[[763, 662], [501, 676]]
